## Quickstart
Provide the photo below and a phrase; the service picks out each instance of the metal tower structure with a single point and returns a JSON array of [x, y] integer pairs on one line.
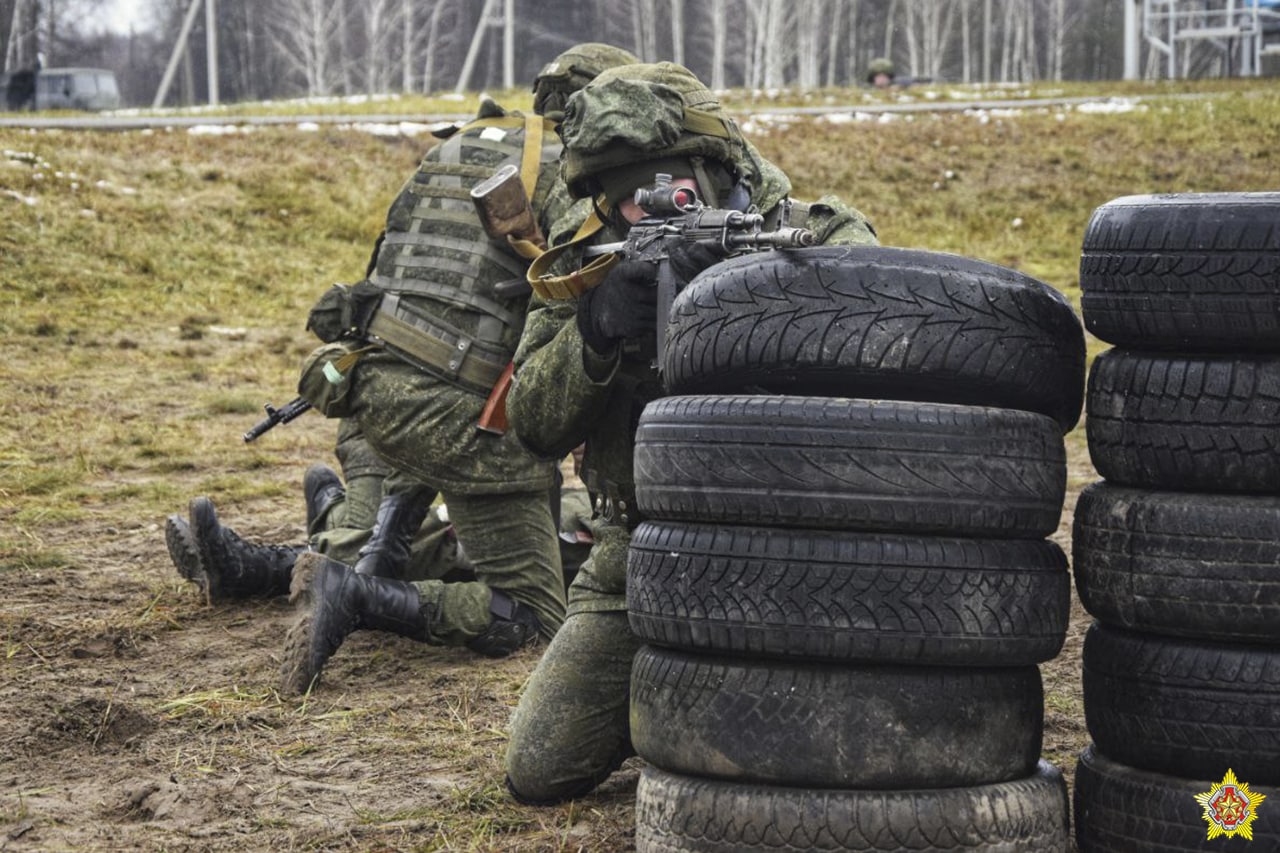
[[1237, 33], [180, 45], [490, 18]]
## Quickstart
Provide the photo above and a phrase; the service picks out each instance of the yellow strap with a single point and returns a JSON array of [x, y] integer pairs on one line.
[[494, 121], [526, 249], [573, 284], [577, 282], [348, 359], [531, 157], [708, 124]]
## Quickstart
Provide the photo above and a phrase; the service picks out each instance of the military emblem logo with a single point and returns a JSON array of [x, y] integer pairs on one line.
[[1230, 808]]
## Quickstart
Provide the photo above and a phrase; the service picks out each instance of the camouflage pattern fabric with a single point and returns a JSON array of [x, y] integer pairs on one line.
[[572, 70], [567, 728], [565, 394], [422, 425], [345, 526], [634, 113], [512, 545], [571, 728]]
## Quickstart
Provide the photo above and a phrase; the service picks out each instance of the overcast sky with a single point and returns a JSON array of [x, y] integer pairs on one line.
[[118, 15]]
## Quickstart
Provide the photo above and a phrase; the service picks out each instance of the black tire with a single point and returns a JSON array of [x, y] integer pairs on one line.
[[1186, 708], [1183, 564], [850, 465], [683, 814], [1196, 272], [835, 726], [827, 595], [873, 322], [1186, 423], [1120, 809]]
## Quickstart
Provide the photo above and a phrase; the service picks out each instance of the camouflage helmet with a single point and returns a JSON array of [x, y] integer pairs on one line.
[[572, 70], [640, 113], [879, 65]]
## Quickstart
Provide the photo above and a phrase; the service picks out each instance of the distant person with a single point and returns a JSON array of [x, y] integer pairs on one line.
[[880, 73]]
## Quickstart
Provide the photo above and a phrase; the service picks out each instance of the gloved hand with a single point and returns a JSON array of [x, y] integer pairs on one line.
[[624, 305], [689, 259]]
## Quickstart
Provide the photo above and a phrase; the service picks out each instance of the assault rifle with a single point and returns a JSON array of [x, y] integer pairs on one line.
[[275, 417], [674, 213]]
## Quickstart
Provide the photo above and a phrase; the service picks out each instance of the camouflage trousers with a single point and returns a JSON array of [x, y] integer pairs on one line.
[[511, 544], [341, 531], [571, 727]]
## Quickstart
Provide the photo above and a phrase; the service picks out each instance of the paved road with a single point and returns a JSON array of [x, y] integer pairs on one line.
[[138, 122]]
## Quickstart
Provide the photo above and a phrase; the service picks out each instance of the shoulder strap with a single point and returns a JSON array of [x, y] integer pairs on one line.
[[565, 286]]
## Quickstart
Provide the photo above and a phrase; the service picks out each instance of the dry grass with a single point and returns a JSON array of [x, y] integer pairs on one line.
[[153, 289]]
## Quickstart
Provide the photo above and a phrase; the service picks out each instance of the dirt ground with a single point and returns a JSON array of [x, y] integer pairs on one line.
[[133, 715]]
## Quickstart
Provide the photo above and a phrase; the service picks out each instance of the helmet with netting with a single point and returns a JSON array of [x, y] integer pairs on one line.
[[877, 66], [572, 70], [635, 115]]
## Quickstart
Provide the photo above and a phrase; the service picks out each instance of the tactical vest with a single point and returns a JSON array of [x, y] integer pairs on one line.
[[436, 266]]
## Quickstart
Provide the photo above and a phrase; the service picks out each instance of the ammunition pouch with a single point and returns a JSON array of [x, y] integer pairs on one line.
[[343, 311], [325, 381], [435, 346]]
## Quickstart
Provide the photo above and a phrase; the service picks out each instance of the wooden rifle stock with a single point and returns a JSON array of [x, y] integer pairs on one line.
[[504, 208]]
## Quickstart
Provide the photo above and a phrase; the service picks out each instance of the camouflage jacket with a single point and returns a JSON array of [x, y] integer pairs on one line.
[[564, 394]]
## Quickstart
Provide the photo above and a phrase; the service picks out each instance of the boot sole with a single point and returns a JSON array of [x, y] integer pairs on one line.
[[296, 675], [203, 525], [184, 551]]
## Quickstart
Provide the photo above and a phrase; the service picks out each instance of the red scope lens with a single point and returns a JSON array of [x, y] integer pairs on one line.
[[684, 197]]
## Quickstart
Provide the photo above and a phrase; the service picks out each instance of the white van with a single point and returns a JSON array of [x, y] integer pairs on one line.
[[60, 89]]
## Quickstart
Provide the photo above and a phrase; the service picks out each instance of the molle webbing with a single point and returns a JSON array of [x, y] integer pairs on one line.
[[441, 250], [436, 345]]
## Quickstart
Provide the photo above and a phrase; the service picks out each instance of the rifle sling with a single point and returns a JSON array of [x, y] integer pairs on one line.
[[575, 283]]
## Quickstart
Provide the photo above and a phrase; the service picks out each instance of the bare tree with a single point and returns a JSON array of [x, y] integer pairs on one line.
[[718, 38], [433, 39], [408, 42], [810, 24], [853, 56], [379, 20], [677, 31], [644, 26], [304, 32], [890, 22]]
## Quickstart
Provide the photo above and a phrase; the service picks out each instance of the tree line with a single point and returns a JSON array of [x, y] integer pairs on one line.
[[294, 48]]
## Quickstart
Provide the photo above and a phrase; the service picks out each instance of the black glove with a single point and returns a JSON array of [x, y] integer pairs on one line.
[[688, 259], [624, 305]]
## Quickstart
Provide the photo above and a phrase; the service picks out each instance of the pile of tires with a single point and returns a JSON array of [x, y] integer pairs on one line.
[[843, 580], [1176, 551]]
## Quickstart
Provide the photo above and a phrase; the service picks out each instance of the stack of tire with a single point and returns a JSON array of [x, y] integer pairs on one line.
[[1177, 549], [843, 582]]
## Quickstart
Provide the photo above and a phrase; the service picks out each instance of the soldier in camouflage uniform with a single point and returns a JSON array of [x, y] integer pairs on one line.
[[341, 518], [584, 372], [443, 326]]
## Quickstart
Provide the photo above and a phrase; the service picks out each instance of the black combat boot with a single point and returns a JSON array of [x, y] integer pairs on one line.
[[512, 625], [332, 601], [387, 551], [223, 564], [323, 488]]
